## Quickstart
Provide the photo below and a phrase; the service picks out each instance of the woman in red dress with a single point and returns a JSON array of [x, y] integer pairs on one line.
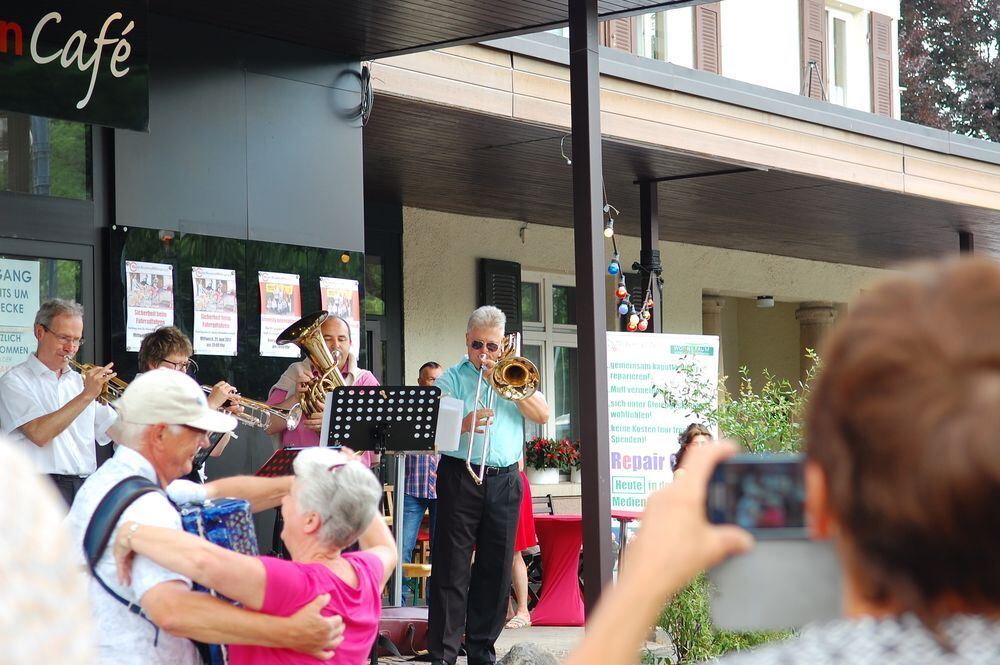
[[524, 539]]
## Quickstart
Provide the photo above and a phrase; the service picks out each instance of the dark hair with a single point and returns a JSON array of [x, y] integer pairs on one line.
[[685, 439], [903, 421], [159, 344], [430, 364]]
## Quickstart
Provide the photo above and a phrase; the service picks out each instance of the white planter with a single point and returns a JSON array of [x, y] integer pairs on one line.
[[542, 476], [574, 475]]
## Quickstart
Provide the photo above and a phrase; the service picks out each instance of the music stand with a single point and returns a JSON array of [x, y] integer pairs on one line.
[[382, 419], [280, 463]]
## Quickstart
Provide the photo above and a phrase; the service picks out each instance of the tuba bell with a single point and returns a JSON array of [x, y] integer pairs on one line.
[[306, 334]]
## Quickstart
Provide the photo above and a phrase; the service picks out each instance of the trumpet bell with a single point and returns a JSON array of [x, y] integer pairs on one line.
[[515, 378]]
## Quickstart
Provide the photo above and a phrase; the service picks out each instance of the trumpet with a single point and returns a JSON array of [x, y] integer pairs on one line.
[[259, 414], [112, 390], [513, 378]]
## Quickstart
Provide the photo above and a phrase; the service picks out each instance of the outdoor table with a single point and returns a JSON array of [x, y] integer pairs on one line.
[[561, 603], [623, 517]]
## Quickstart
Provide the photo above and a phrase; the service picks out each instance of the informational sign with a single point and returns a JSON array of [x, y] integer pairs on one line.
[[81, 61], [18, 305], [149, 300], [643, 429], [215, 320], [342, 297], [280, 307]]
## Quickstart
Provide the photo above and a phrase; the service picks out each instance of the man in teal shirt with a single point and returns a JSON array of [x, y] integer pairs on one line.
[[467, 598]]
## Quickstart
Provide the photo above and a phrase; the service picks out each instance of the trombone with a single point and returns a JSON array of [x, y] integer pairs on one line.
[[259, 414], [112, 390], [513, 378]]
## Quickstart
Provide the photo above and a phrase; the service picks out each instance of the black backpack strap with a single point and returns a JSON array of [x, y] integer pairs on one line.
[[102, 525]]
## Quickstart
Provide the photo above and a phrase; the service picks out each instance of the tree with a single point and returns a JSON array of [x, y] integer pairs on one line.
[[949, 65]]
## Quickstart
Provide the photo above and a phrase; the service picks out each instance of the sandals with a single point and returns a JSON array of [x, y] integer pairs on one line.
[[518, 622]]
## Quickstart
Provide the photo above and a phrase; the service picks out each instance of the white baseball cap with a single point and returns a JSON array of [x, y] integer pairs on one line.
[[168, 396]]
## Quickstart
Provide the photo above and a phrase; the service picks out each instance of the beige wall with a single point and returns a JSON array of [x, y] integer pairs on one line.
[[439, 284], [758, 339]]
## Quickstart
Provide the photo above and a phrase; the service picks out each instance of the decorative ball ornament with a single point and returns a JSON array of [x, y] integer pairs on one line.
[[623, 308], [643, 324]]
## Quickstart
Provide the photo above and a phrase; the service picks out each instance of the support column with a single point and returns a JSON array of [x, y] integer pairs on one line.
[[588, 236], [711, 324], [815, 321], [649, 250]]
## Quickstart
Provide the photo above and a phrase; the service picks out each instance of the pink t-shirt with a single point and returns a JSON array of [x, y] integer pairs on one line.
[[291, 584]]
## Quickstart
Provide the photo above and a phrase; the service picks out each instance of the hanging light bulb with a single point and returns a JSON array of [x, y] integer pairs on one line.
[[633, 319], [614, 267], [623, 307], [649, 303], [609, 227], [621, 291], [631, 327], [643, 325], [645, 314]]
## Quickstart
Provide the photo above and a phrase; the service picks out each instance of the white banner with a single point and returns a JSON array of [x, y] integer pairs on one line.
[[280, 307], [643, 430], [342, 297], [216, 324], [149, 300], [19, 300]]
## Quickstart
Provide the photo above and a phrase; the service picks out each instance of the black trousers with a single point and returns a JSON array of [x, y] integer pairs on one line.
[[463, 596], [68, 486]]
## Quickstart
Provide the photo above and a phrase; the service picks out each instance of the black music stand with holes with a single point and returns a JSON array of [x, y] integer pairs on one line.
[[382, 419]]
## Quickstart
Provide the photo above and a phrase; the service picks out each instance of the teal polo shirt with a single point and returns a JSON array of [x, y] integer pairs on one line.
[[507, 430]]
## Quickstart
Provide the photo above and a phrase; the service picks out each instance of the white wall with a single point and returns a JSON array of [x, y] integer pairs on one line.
[[760, 43], [680, 36], [440, 251]]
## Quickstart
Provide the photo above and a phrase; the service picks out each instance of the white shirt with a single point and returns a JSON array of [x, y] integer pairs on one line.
[[31, 390], [124, 638]]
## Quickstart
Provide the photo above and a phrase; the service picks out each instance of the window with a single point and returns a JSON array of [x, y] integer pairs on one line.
[[837, 29], [43, 156], [548, 304], [651, 36]]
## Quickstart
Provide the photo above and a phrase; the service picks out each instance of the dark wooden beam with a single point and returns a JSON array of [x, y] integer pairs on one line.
[[649, 249], [590, 299], [704, 174]]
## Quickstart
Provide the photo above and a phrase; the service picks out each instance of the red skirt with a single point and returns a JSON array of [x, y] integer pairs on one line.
[[526, 522]]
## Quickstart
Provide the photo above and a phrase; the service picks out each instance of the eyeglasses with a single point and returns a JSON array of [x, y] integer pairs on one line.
[[189, 366], [492, 347], [63, 339]]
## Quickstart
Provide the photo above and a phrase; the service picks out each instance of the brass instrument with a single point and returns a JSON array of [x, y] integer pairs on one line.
[[514, 378], [259, 414], [112, 390], [306, 334]]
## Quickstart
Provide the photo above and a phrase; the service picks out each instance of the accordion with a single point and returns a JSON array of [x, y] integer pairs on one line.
[[227, 523]]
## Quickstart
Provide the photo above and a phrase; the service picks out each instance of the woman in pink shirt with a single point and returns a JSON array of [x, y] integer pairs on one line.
[[333, 502]]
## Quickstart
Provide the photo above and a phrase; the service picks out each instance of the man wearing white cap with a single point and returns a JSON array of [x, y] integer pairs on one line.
[[163, 420]]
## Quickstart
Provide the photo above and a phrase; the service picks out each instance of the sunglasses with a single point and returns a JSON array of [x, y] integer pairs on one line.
[[492, 347]]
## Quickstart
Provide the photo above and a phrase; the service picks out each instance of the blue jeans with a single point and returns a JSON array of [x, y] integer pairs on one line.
[[413, 515]]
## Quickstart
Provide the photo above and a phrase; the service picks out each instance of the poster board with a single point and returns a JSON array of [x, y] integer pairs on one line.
[[19, 300], [643, 430]]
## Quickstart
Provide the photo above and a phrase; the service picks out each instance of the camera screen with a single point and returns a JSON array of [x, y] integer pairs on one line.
[[758, 495]]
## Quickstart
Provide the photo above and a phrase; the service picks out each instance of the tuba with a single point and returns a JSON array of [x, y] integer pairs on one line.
[[113, 389], [514, 378], [305, 333]]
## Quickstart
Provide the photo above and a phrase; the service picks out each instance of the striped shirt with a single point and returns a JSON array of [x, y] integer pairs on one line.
[[421, 476]]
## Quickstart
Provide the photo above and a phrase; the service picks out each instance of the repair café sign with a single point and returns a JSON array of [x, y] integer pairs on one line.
[[82, 61]]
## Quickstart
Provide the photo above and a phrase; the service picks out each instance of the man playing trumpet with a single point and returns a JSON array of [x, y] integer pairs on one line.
[[50, 411]]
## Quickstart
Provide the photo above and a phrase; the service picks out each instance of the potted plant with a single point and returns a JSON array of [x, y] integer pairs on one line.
[[544, 458], [574, 467]]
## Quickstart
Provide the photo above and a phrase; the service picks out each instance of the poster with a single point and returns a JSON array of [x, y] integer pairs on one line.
[[643, 430], [215, 319], [342, 297], [280, 307], [149, 300], [18, 304]]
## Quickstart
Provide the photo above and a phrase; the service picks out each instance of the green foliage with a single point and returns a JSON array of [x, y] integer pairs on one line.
[[764, 418], [688, 622], [70, 157], [544, 453]]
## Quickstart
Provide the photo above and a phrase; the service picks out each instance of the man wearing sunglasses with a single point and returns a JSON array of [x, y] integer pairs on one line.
[[49, 410], [467, 597]]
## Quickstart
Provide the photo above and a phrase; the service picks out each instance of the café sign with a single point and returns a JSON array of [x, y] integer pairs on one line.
[[77, 61]]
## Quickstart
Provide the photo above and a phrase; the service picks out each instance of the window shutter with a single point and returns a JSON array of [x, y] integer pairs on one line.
[[707, 38], [812, 19], [880, 42], [617, 33], [500, 286]]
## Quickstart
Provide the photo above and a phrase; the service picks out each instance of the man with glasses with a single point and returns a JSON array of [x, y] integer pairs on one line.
[[170, 348], [465, 597], [50, 411]]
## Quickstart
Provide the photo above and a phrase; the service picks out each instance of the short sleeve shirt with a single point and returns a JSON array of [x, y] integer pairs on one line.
[[507, 430], [126, 638], [31, 390], [289, 585]]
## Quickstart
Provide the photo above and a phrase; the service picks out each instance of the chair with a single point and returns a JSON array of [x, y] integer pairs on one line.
[[540, 505], [387, 503]]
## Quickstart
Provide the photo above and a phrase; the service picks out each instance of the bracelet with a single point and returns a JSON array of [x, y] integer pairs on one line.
[[132, 528]]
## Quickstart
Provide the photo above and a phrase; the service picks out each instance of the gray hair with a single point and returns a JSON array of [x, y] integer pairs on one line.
[[53, 307], [345, 498], [133, 435], [488, 317]]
